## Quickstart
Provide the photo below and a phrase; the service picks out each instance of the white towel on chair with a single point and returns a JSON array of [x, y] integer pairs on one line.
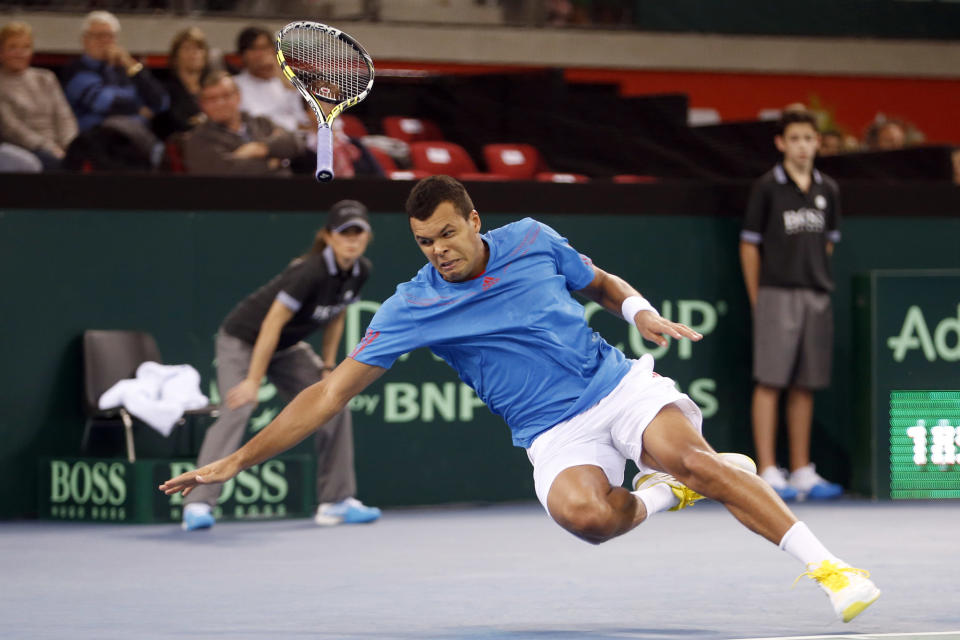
[[158, 395]]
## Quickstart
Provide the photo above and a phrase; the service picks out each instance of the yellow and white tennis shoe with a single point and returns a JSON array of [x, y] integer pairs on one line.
[[850, 589], [685, 495]]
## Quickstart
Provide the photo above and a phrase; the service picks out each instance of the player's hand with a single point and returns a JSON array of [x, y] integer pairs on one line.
[[657, 329], [213, 473], [243, 394]]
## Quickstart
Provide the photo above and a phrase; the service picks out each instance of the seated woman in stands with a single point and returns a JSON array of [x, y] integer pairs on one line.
[[34, 113], [189, 60]]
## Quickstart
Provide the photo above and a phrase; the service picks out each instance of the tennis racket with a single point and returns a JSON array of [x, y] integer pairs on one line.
[[326, 66]]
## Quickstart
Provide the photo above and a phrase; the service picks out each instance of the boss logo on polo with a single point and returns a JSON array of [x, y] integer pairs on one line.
[[804, 220], [322, 314]]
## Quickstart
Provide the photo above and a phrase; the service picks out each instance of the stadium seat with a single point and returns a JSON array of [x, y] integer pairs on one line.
[[441, 157], [552, 176], [408, 174], [390, 169], [483, 177], [353, 126], [108, 357], [517, 161], [173, 148], [383, 159], [411, 129], [700, 116]]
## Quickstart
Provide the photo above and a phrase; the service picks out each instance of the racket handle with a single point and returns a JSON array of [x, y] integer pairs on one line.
[[324, 153]]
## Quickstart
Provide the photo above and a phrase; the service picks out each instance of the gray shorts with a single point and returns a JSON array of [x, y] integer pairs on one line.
[[792, 338]]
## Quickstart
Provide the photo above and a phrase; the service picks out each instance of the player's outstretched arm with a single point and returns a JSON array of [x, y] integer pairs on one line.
[[313, 407], [609, 291]]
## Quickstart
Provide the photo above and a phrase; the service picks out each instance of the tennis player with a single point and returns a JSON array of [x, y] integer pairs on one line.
[[498, 308]]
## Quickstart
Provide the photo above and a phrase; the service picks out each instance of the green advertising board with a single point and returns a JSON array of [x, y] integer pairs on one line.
[[909, 329], [112, 490], [420, 436]]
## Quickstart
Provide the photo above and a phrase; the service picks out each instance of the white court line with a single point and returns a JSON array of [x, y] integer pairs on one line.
[[865, 636]]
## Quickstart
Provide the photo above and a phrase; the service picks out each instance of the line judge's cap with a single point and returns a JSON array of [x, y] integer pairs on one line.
[[346, 214]]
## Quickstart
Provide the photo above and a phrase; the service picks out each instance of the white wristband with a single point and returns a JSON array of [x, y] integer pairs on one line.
[[634, 305]]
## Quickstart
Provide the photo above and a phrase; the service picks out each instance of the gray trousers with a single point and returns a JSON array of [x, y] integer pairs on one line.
[[291, 370]]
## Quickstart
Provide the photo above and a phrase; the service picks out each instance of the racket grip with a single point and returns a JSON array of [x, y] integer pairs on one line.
[[324, 153]]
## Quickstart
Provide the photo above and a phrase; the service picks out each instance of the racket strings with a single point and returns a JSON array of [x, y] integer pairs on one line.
[[329, 67]]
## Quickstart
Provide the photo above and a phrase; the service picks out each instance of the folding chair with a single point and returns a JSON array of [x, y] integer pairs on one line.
[[111, 356]]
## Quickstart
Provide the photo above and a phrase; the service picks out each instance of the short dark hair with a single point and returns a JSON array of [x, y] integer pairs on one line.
[[249, 35], [430, 193], [796, 116]]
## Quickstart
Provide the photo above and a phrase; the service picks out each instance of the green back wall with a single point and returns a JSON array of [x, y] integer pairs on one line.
[[419, 437]]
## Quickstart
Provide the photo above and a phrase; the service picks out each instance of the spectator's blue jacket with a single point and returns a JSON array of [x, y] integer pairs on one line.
[[96, 90]]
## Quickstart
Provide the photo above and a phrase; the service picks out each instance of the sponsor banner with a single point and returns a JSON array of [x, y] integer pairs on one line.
[[112, 490]]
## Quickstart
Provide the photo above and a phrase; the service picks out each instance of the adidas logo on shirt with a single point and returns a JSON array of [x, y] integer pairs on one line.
[[489, 281]]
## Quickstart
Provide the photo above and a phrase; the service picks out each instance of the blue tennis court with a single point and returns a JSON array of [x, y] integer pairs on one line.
[[475, 572]]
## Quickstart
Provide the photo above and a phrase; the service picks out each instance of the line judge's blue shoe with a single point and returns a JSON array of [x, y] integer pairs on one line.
[[197, 515], [349, 511], [775, 477]]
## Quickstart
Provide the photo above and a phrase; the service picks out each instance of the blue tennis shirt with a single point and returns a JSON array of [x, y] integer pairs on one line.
[[514, 334]]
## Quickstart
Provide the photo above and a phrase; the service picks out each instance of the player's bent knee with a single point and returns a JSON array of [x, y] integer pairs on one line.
[[590, 520]]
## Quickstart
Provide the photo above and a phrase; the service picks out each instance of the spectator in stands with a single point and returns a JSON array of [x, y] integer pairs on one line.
[[14, 159], [886, 134], [351, 157], [232, 142], [107, 81], [789, 231], [263, 92], [34, 113], [558, 12], [831, 143], [955, 157], [189, 60]]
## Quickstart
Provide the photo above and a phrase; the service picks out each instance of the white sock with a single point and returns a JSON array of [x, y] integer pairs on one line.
[[657, 498], [200, 508], [800, 542]]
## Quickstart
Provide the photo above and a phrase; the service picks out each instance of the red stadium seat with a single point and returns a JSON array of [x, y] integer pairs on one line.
[[389, 166], [518, 161], [551, 176], [411, 129], [173, 148], [383, 158], [441, 157], [408, 174], [353, 126], [483, 177]]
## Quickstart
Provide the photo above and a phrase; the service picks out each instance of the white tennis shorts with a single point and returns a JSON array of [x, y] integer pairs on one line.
[[609, 432]]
